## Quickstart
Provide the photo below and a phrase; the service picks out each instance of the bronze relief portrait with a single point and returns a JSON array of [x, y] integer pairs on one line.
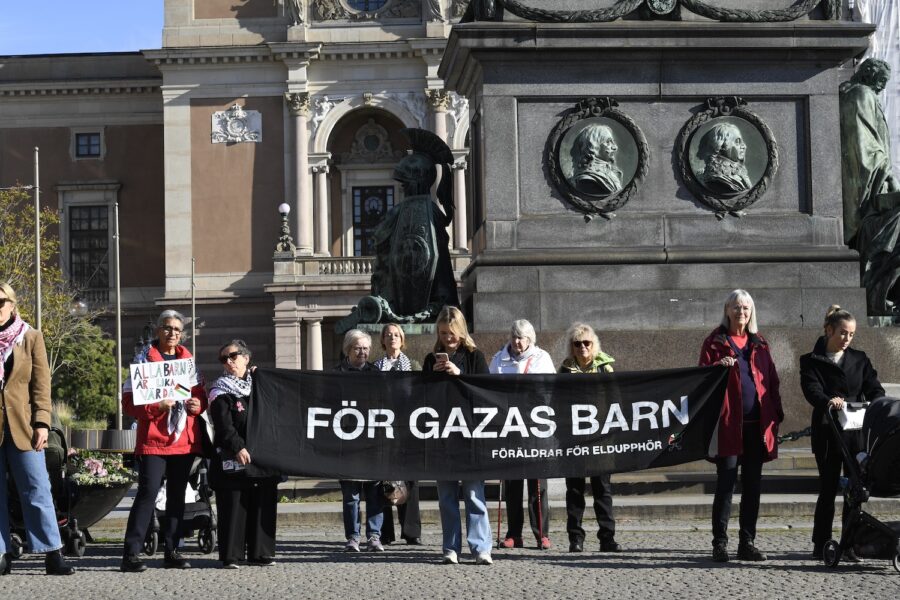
[[597, 157], [728, 156]]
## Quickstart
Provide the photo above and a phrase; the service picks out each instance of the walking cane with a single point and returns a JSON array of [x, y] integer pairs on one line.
[[540, 517], [499, 513]]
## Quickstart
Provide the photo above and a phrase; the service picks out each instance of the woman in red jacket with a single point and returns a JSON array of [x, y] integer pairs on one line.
[[748, 424], [168, 438]]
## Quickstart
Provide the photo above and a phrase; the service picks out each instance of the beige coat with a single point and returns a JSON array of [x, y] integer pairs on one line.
[[26, 394]]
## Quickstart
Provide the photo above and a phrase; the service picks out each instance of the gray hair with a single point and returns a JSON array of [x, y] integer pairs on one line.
[[169, 314], [241, 346], [522, 328], [351, 337], [740, 295]]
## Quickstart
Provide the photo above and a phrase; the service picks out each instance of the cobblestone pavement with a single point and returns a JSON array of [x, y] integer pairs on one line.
[[661, 560]]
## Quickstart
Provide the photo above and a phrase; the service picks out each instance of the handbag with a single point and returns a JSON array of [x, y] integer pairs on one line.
[[851, 416], [396, 492]]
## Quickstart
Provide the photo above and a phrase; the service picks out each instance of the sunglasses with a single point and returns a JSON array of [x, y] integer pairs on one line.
[[582, 343], [3, 302], [231, 356]]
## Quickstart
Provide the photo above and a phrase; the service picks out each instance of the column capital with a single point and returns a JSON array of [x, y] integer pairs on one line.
[[460, 165], [438, 99], [320, 169], [298, 103]]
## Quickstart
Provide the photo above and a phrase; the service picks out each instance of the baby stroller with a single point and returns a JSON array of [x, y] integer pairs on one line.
[[199, 516], [874, 473]]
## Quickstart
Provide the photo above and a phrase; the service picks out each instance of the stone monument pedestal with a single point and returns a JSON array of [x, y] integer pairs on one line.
[[669, 256]]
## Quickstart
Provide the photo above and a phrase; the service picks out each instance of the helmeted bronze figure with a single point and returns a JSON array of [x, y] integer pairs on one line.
[[412, 277]]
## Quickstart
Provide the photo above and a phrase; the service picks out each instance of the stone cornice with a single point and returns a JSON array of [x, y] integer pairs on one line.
[[364, 51], [213, 55], [81, 87]]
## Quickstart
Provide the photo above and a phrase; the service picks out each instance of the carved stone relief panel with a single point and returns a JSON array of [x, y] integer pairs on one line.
[[236, 125]]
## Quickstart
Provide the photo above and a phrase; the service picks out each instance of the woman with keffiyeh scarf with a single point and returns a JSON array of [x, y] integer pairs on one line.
[[168, 439], [24, 426], [247, 503]]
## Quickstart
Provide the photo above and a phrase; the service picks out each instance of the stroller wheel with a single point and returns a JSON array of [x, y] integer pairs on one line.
[[896, 562], [76, 544], [17, 547], [151, 543], [206, 539], [831, 554]]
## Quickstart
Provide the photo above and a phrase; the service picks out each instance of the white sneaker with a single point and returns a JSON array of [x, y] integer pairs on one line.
[[483, 558], [450, 558]]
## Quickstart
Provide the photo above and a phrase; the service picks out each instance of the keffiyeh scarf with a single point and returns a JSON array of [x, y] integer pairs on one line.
[[9, 338], [401, 364], [229, 384]]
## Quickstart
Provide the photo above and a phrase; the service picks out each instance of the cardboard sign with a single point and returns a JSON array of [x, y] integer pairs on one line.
[[152, 382]]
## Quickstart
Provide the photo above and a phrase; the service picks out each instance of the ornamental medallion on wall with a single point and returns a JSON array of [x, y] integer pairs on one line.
[[727, 156], [598, 157], [236, 125]]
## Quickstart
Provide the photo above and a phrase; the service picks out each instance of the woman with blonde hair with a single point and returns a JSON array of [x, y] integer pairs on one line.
[[393, 343], [455, 354], [24, 428], [832, 375], [586, 357]]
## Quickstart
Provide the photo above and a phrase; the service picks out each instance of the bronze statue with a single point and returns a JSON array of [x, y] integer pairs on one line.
[[723, 151], [412, 277], [594, 170], [870, 191]]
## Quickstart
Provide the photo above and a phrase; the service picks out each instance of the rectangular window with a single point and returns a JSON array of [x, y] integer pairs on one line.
[[87, 145], [370, 204], [89, 250]]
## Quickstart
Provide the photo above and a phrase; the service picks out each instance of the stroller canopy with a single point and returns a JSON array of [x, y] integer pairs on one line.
[[881, 429]]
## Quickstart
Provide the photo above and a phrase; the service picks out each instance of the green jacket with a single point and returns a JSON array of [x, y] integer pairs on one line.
[[602, 363]]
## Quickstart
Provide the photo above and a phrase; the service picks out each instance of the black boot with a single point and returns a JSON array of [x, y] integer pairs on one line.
[[174, 560], [5, 563], [55, 564], [132, 563]]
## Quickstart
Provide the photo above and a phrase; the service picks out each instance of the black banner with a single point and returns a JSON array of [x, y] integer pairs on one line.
[[433, 426]]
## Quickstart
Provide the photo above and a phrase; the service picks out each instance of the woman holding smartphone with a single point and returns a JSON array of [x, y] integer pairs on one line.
[[455, 354]]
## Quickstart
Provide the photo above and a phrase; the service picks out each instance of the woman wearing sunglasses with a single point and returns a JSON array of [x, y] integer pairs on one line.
[[247, 503], [585, 356], [24, 428], [168, 439]]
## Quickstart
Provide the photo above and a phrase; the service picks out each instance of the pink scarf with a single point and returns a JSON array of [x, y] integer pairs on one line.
[[9, 337]]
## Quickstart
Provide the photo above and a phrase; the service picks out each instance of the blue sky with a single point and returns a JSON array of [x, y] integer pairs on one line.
[[61, 26]]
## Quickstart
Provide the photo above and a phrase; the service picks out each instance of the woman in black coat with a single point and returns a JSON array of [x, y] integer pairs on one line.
[[248, 505], [831, 375]]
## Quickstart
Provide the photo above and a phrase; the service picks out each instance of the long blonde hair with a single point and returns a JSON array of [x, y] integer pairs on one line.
[[454, 319]]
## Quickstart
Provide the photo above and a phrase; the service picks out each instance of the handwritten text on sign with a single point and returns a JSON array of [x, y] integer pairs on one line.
[[166, 380]]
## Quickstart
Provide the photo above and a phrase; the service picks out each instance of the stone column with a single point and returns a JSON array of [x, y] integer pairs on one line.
[[321, 177], [439, 101], [460, 237], [298, 105], [314, 344]]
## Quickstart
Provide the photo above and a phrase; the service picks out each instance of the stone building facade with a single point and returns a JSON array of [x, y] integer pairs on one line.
[[248, 104]]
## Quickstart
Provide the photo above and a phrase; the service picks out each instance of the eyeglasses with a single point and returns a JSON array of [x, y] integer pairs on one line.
[[170, 330], [3, 302], [360, 349], [230, 356], [582, 343]]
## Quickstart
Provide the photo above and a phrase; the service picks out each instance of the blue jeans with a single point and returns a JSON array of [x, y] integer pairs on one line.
[[478, 526], [30, 474], [351, 490]]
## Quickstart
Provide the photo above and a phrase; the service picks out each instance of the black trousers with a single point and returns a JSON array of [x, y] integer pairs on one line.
[[407, 514], [750, 463], [515, 516], [151, 470], [830, 463], [247, 519], [603, 507]]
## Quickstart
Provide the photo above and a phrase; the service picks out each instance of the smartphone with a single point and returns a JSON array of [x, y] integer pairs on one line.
[[441, 356]]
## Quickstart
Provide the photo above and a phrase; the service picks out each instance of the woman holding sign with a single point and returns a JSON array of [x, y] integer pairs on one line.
[[586, 356], [748, 424], [24, 426], [455, 354], [168, 439], [247, 503], [830, 376]]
